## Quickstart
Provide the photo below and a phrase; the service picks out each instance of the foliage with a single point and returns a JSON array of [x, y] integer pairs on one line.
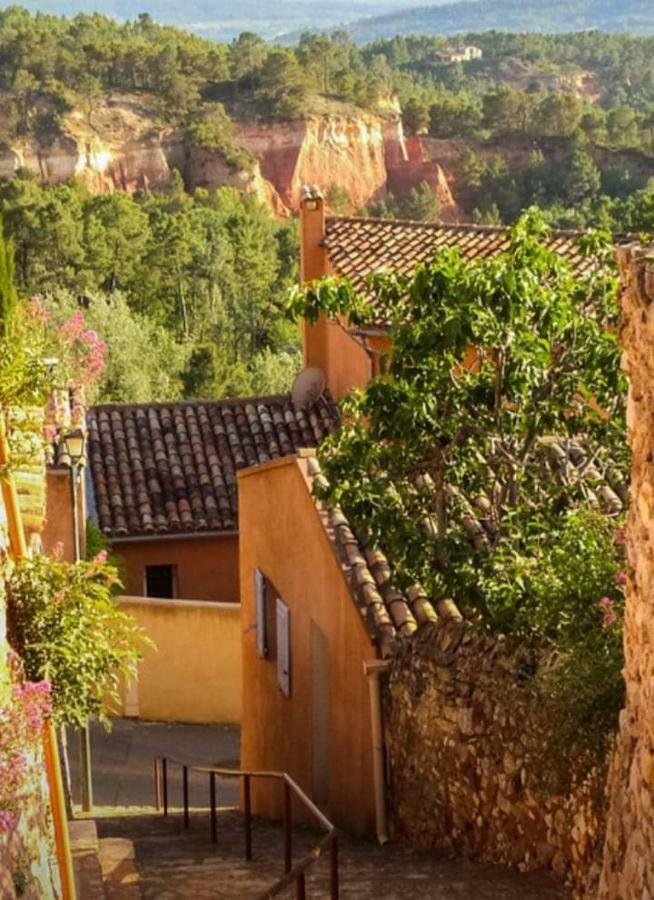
[[68, 630], [22, 716], [503, 371], [143, 359], [160, 276]]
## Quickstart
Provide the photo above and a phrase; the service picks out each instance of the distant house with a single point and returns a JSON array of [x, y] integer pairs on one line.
[[460, 54]]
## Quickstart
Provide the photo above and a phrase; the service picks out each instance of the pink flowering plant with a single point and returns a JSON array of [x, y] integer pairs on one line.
[[38, 358], [21, 723], [64, 623]]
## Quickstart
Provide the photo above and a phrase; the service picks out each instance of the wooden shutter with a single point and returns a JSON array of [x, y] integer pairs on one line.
[[260, 612], [283, 647]]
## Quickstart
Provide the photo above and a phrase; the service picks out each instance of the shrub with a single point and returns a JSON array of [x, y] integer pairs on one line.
[[64, 623]]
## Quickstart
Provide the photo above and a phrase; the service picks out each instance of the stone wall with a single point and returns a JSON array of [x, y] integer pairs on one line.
[[471, 765], [628, 872]]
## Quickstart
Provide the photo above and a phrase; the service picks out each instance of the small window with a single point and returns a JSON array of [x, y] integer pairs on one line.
[[161, 581]]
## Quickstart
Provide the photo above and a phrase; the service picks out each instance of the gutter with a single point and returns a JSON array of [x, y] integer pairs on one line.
[[372, 670], [175, 536]]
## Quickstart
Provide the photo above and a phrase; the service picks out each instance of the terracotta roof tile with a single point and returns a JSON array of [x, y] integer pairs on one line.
[[359, 247], [391, 615], [167, 468]]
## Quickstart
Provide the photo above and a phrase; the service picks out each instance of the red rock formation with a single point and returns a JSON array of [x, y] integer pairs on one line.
[[363, 154]]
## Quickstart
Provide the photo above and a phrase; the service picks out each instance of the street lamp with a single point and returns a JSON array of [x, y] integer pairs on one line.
[[74, 442]]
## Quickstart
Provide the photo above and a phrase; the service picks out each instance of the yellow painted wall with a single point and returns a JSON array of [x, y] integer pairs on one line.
[[194, 675]]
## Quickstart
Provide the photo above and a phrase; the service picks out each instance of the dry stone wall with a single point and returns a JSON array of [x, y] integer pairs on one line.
[[628, 872], [471, 766]]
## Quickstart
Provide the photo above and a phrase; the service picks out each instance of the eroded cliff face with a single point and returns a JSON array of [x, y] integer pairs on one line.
[[120, 148]]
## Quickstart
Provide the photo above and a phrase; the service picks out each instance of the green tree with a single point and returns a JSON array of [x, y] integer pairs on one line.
[[421, 205], [415, 116], [583, 178]]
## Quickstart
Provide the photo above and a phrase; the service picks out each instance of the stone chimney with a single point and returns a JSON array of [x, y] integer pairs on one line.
[[628, 870], [314, 264]]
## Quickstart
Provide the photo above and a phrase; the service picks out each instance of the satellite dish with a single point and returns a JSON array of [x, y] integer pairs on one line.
[[307, 387]]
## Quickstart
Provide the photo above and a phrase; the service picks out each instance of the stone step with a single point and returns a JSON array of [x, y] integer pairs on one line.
[[119, 873], [86, 865]]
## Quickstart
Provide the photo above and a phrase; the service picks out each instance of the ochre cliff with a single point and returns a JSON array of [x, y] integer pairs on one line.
[[119, 147]]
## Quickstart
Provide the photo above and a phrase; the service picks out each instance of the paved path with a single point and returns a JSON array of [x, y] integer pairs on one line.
[[122, 760], [175, 865]]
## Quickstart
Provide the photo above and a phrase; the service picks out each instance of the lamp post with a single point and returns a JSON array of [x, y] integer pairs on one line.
[[74, 446]]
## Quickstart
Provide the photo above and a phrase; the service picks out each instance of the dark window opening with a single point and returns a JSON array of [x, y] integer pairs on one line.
[[161, 581]]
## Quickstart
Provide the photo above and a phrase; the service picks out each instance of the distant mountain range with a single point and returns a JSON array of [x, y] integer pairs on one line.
[[368, 20], [223, 20], [635, 16]]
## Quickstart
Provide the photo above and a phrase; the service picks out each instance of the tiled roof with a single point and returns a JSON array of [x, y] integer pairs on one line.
[[359, 247], [171, 467], [390, 614]]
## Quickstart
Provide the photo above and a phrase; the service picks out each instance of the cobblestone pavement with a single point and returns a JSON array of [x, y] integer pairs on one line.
[[174, 864]]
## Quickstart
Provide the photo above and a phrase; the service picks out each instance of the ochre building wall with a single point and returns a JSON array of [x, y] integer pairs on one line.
[[628, 872], [207, 567], [288, 543], [326, 345], [193, 674], [58, 527]]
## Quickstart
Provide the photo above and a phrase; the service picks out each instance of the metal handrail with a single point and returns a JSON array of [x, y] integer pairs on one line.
[[292, 873]]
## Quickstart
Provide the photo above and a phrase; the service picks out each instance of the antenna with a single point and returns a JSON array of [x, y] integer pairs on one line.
[[308, 387]]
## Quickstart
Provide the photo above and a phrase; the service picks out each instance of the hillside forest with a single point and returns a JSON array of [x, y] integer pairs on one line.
[[189, 288]]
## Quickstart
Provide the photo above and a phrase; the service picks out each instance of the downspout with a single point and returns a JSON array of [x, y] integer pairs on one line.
[[373, 669]]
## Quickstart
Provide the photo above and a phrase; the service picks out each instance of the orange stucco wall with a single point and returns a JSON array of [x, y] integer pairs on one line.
[[288, 543], [326, 344], [207, 568], [59, 514]]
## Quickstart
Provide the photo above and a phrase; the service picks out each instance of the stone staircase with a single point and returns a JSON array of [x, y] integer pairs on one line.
[[171, 863]]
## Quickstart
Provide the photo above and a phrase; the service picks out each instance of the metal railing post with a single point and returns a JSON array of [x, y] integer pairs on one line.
[[185, 793], [301, 887], [288, 835], [333, 868], [164, 771], [157, 786], [247, 811], [212, 801]]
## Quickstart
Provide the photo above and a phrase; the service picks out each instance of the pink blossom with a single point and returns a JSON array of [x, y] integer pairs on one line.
[[37, 310], [6, 821], [50, 433], [89, 337], [101, 557], [609, 619], [620, 577], [605, 603]]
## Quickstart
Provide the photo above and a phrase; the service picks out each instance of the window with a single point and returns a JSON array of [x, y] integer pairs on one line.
[[161, 581], [272, 624]]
